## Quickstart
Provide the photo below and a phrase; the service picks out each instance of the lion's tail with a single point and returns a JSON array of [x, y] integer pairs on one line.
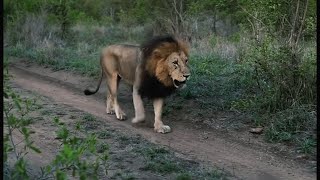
[[90, 92]]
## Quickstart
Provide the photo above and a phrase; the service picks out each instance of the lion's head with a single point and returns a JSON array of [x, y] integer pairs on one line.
[[166, 58], [173, 70]]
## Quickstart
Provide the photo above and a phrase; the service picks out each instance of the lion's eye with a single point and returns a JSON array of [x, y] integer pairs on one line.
[[186, 60], [175, 62]]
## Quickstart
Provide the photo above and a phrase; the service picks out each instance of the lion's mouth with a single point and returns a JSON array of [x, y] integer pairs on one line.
[[178, 84]]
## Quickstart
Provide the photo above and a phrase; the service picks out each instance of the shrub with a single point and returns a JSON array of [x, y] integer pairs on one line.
[[282, 83]]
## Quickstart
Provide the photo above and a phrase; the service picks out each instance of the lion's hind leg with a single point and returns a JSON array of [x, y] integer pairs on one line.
[[113, 82], [138, 107], [109, 102]]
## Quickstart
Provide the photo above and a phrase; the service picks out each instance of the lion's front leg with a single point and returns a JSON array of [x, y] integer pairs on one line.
[[158, 124]]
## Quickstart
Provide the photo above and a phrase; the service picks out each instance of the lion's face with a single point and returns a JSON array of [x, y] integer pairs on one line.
[[178, 68]]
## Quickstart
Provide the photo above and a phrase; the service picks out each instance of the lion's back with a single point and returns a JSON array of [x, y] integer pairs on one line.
[[122, 59]]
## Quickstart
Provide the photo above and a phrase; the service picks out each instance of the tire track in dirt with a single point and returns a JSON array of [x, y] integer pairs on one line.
[[240, 160]]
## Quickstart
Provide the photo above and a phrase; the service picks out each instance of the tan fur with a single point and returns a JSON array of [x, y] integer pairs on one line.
[[127, 62]]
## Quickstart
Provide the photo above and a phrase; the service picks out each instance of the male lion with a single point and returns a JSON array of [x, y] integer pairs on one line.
[[155, 70]]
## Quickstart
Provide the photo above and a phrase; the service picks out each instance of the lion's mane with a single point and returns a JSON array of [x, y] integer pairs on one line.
[[155, 80]]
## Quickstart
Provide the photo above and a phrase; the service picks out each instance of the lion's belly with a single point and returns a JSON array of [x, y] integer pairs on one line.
[[127, 73], [129, 79]]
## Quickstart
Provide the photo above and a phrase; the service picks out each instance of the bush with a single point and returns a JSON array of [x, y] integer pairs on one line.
[[282, 83], [291, 124]]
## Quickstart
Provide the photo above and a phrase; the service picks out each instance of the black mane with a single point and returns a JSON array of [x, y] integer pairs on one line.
[[152, 88], [149, 46]]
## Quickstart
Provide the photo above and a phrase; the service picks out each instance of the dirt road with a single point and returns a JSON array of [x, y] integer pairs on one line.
[[240, 159]]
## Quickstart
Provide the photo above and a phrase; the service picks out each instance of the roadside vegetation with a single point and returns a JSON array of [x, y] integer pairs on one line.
[[73, 154], [256, 58]]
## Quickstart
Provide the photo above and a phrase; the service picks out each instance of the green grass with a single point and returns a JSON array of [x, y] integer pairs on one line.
[[184, 176], [175, 105], [88, 122], [163, 161], [104, 134], [216, 83], [60, 59], [160, 160], [288, 124], [214, 174], [46, 112], [123, 176], [101, 148], [162, 167], [307, 145], [88, 117]]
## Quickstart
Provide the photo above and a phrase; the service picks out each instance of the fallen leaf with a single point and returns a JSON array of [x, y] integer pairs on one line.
[[303, 156], [257, 130]]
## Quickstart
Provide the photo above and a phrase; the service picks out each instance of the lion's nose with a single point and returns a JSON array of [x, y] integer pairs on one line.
[[186, 75]]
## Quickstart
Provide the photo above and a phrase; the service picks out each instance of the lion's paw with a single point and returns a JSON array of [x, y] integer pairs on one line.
[[110, 111], [137, 120], [163, 129], [121, 115]]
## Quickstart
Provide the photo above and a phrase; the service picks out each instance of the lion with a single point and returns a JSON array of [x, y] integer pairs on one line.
[[155, 70]]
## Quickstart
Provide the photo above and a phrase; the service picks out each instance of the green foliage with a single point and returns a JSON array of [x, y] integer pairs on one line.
[[90, 8], [73, 151], [213, 41], [183, 176], [215, 174], [16, 110], [276, 15], [62, 12], [263, 85], [217, 83], [285, 97], [307, 145], [290, 124], [20, 171], [71, 156], [281, 83], [60, 59], [135, 13], [15, 8]]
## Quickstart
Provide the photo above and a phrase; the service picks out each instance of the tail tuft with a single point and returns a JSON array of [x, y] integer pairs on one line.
[[88, 92]]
